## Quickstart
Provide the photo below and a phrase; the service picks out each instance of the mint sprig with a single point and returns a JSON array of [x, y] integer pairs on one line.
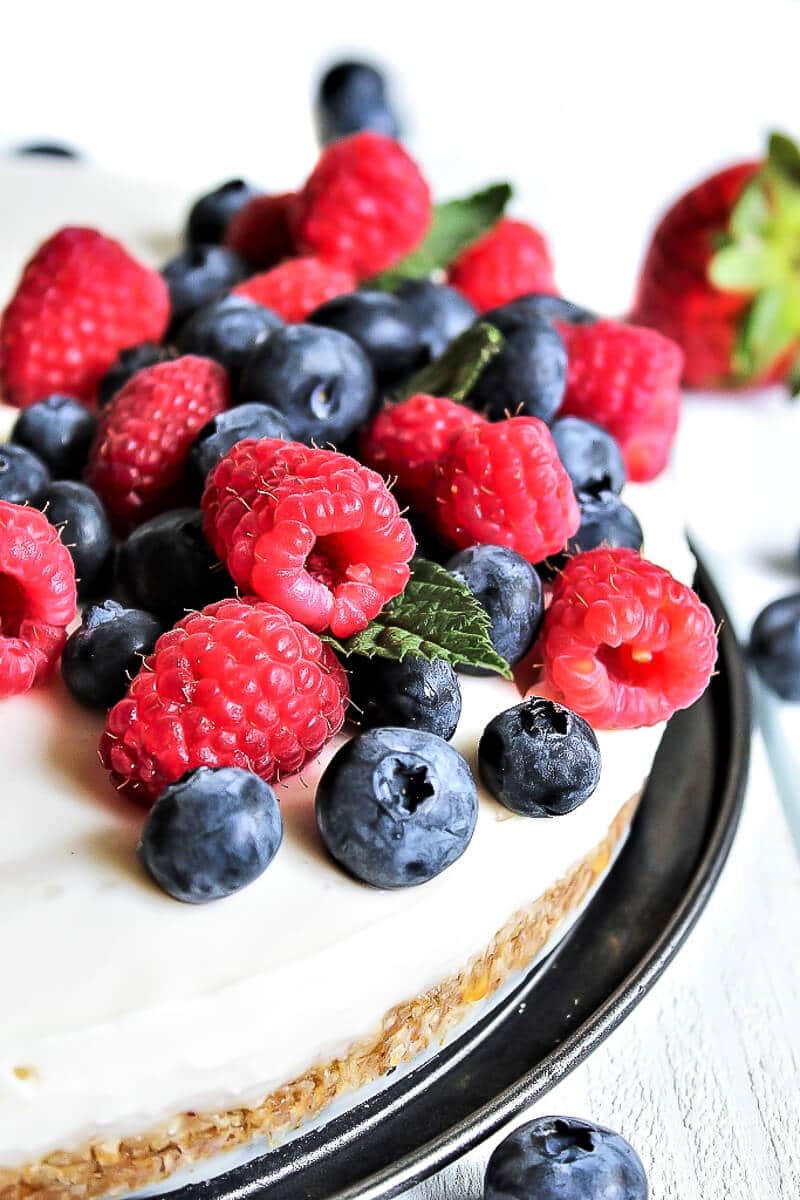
[[437, 616], [455, 372]]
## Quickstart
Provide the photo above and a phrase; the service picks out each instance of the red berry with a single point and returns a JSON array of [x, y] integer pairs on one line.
[[297, 286], [81, 300], [310, 530], [623, 643], [260, 231], [235, 685], [405, 441], [37, 597], [138, 458], [364, 206], [626, 378], [503, 484], [511, 260]]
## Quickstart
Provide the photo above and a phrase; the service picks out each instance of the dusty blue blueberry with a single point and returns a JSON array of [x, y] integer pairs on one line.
[[212, 212], [60, 430], [590, 456], [197, 275], [382, 324], [85, 530], [510, 591], [775, 646], [227, 330], [226, 429], [605, 521], [105, 652], [352, 96], [441, 313], [537, 306], [411, 692], [527, 377], [23, 475]]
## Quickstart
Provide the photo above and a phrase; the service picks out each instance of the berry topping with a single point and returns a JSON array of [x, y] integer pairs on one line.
[[395, 807], [227, 428], [527, 377], [298, 286], [210, 834], [259, 232], [81, 300], [775, 646], [85, 530], [412, 692], [623, 643], [136, 358], [441, 313], [102, 656], [589, 455], [23, 475], [211, 214], [539, 759], [364, 206], [384, 327], [236, 685], [539, 306], [510, 260], [605, 521], [227, 330], [58, 429], [197, 275], [309, 530], [351, 97], [37, 597], [507, 587]]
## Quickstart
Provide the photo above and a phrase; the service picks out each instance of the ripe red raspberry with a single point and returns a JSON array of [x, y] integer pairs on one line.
[[364, 206], [235, 685], [81, 300], [626, 378], [310, 530], [405, 441], [260, 230], [623, 643], [503, 484], [37, 597], [297, 286], [511, 260], [138, 458]]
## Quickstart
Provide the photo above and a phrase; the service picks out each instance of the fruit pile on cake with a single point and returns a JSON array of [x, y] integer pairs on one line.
[[338, 493]]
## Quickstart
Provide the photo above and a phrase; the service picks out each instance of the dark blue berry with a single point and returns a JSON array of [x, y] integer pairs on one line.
[[47, 150], [590, 456], [412, 692], [85, 530], [320, 379], [605, 521], [197, 275], [775, 646], [60, 430], [103, 655], [136, 358], [226, 429], [211, 834], [227, 330], [167, 567], [395, 807], [351, 97], [211, 214], [539, 758], [442, 313], [23, 475], [383, 326], [528, 376], [536, 307], [564, 1158], [510, 590]]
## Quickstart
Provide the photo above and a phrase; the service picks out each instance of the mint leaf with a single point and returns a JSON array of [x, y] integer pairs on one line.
[[437, 616], [454, 226], [456, 372]]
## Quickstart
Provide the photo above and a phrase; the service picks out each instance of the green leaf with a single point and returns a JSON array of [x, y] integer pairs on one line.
[[740, 267], [437, 616], [751, 212], [770, 327], [454, 226], [456, 372], [784, 155]]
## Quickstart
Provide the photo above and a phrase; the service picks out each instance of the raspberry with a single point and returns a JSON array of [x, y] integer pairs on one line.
[[407, 440], [140, 450], [81, 300], [235, 685], [509, 261], [364, 206], [623, 643], [260, 232], [310, 530], [297, 286], [626, 378], [503, 484], [37, 597]]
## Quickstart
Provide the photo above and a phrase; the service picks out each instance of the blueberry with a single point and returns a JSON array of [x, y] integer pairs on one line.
[[352, 96], [527, 377], [775, 646], [396, 806], [136, 358], [383, 326], [211, 213], [590, 456], [537, 306], [47, 150], [198, 275], [60, 430], [167, 567], [442, 313], [507, 586], [85, 530], [564, 1158], [605, 521], [227, 330], [211, 834], [102, 656], [412, 693], [226, 429], [539, 758], [23, 475], [320, 379]]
